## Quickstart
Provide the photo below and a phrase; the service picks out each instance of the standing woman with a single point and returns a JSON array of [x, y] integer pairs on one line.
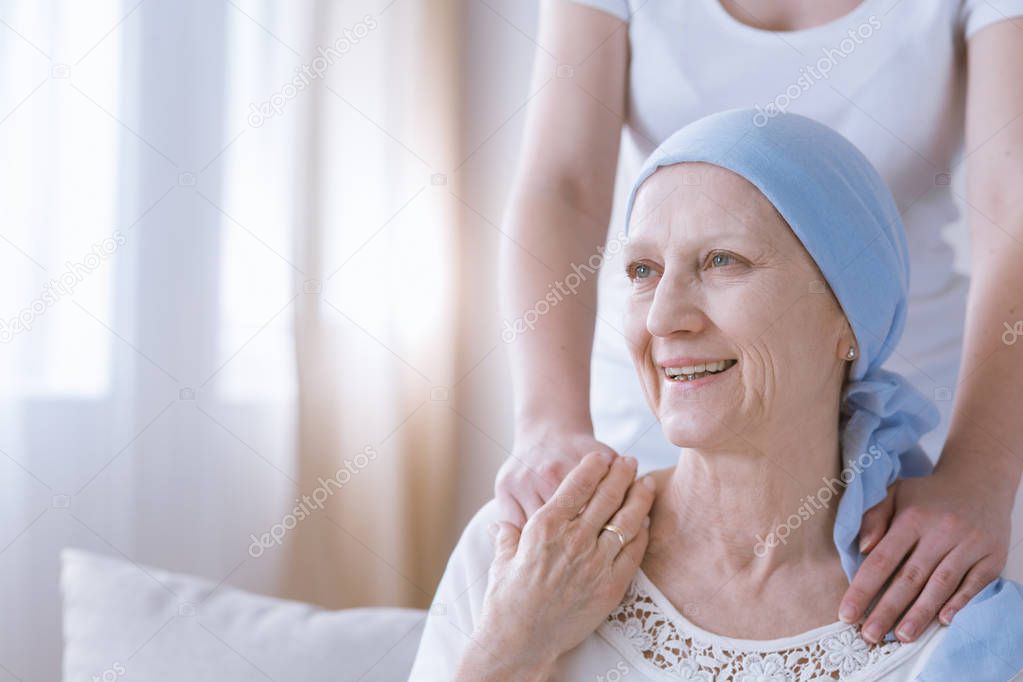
[[921, 87]]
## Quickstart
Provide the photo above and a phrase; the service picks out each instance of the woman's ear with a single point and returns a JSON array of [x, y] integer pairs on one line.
[[847, 348]]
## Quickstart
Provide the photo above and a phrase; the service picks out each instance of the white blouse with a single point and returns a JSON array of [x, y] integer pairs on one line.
[[646, 638]]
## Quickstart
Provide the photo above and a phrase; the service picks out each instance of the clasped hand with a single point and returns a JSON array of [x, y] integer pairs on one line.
[[554, 581]]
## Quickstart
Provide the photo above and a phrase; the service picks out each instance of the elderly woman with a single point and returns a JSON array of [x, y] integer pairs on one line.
[[769, 278]]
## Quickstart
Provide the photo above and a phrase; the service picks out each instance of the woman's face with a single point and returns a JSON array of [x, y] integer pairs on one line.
[[717, 274]]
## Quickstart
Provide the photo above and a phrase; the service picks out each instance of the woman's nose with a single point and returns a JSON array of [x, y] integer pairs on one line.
[[677, 306]]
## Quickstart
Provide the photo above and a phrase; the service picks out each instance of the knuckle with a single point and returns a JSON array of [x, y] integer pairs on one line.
[[566, 501], [513, 478], [552, 467], [912, 574], [550, 471], [914, 515], [949, 524], [881, 560], [523, 475], [945, 579], [977, 537], [545, 525]]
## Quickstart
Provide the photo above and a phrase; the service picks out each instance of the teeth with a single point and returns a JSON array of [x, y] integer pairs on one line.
[[690, 371]]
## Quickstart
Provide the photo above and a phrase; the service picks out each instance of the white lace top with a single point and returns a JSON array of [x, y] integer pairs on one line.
[[660, 641], [646, 639]]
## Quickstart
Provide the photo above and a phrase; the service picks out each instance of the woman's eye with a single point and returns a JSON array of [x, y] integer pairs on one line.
[[720, 259], [639, 271]]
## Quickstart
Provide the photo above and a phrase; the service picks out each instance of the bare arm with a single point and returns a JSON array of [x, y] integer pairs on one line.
[[557, 216], [958, 520], [986, 417]]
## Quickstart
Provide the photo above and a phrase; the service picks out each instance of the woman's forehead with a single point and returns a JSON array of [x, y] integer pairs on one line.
[[695, 200]]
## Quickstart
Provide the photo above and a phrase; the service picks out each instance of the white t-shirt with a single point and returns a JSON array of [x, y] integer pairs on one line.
[[645, 638], [889, 75]]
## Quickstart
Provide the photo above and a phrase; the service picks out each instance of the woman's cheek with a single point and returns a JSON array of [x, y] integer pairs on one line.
[[746, 313], [634, 320]]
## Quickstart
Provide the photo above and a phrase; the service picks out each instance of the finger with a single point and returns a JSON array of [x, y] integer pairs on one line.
[[506, 540], [876, 569], [940, 586], [631, 556], [530, 501], [907, 585], [629, 517], [876, 521], [578, 486], [978, 577], [608, 496], [510, 509], [548, 478]]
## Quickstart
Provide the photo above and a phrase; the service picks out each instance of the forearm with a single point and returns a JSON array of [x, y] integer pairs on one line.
[[548, 289], [986, 431], [557, 216]]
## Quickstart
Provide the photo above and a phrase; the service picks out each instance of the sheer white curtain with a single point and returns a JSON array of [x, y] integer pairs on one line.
[[146, 285], [228, 267]]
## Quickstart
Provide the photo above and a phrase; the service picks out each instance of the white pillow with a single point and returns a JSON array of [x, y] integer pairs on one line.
[[120, 621]]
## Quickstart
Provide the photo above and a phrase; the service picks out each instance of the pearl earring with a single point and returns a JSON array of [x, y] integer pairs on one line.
[[852, 353]]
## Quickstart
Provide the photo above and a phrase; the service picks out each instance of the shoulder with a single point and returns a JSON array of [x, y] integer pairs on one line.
[[469, 563], [458, 601], [475, 541]]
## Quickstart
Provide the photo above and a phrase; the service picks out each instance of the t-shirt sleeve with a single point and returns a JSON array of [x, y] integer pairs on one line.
[[618, 8], [976, 14], [458, 601]]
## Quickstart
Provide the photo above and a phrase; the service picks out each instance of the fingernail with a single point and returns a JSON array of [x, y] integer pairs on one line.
[[604, 456], [906, 630], [631, 461], [648, 481], [847, 612], [946, 616], [646, 522], [864, 544], [872, 633]]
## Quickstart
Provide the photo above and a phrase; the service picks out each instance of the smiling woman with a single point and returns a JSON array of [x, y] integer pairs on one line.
[[691, 300], [808, 304], [750, 304]]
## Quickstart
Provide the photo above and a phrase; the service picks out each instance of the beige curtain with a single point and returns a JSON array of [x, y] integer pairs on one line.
[[376, 349]]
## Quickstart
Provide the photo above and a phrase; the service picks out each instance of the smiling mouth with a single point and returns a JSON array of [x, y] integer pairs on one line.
[[684, 374]]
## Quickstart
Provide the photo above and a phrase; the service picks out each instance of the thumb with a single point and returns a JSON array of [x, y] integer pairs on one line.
[[505, 536], [876, 521]]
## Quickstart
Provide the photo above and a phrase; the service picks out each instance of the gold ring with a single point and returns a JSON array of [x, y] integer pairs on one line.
[[617, 531]]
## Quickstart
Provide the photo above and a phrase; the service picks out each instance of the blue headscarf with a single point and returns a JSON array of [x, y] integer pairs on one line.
[[842, 211]]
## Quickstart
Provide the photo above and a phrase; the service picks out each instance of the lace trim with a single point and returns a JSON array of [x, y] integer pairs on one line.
[[674, 645]]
